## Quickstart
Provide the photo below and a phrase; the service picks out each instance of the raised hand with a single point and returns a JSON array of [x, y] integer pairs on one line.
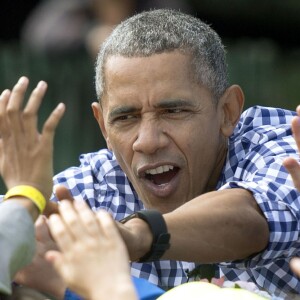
[[293, 167], [291, 164], [26, 156]]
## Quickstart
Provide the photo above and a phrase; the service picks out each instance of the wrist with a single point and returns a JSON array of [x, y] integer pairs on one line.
[[29, 192], [144, 238], [159, 234]]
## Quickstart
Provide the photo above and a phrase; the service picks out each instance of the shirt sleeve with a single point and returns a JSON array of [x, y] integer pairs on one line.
[[17, 242], [273, 189]]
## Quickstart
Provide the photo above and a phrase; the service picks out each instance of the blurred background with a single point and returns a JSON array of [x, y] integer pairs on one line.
[[57, 40]]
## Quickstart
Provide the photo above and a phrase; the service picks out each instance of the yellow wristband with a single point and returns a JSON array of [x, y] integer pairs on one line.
[[29, 192]]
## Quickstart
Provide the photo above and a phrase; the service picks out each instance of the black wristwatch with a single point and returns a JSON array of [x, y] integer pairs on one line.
[[159, 230]]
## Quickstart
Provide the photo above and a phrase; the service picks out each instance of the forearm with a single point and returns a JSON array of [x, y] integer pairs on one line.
[[218, 226]]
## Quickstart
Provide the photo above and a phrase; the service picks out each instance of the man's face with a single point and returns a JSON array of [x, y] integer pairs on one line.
[[163, 127]]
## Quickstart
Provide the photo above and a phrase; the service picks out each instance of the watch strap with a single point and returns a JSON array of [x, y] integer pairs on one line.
[[159, 231]]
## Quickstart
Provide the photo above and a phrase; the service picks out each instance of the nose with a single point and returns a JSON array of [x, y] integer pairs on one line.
[[151, 137]]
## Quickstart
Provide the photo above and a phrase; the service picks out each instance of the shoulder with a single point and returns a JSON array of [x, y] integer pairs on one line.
[[261, 116], [260, 124], [262, 136]]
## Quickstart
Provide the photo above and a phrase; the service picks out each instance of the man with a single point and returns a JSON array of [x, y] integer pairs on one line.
[[177, 142]]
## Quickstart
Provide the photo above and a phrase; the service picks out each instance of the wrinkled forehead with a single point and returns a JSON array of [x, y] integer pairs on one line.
[[160, 66], [167, 62]]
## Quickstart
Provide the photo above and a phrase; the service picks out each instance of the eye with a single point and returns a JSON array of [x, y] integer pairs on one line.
[[124, 118], [176, 113], [174, 110]]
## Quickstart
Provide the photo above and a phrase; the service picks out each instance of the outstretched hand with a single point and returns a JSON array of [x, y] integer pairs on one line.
[[291, 164], [293, 167], [26, 155], [90, 247]]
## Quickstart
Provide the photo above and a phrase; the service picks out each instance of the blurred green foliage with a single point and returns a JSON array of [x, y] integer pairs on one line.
[[268, 74]]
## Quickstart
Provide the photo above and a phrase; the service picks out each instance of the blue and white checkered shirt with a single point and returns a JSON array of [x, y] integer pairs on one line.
[[260, 142]]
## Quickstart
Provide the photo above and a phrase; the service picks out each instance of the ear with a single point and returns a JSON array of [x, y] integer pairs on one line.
[[98, 114], [231, 103]]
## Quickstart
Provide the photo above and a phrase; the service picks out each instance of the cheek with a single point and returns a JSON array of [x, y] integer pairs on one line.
[[122, 147], [201, 146]]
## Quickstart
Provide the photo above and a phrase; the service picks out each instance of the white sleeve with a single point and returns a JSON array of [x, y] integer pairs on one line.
[[17, 241]]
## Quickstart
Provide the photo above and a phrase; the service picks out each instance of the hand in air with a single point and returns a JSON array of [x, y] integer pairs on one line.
[[26, 155], [291, 164]]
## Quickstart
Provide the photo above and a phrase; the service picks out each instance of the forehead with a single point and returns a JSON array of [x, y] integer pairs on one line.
[[159, 73], [171, 64]]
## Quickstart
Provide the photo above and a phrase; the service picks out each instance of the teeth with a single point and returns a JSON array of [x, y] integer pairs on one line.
[[160, 170], [166, 168]]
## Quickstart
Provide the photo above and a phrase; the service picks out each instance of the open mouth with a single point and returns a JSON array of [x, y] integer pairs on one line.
[[161, 175]]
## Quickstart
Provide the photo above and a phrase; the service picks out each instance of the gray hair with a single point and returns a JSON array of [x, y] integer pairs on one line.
[[165, 30]]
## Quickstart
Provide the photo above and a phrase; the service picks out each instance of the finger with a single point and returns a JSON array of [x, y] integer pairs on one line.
[[51, 123], [293, 168], [295, 265], [87, 218], [70, 217], [42, 230], [298, 110], [4, 128], [14, 114], [29, 115], [62, 193], [35, 99], [296, 130], [51, 208], [17, 94], [108, 225], [60, 232]]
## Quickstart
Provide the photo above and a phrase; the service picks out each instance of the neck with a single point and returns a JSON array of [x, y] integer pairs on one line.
[[212, 183]]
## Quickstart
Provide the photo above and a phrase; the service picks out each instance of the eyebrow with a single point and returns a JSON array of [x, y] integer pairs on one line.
[[167, 103], [171, 103], [122, 110]]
